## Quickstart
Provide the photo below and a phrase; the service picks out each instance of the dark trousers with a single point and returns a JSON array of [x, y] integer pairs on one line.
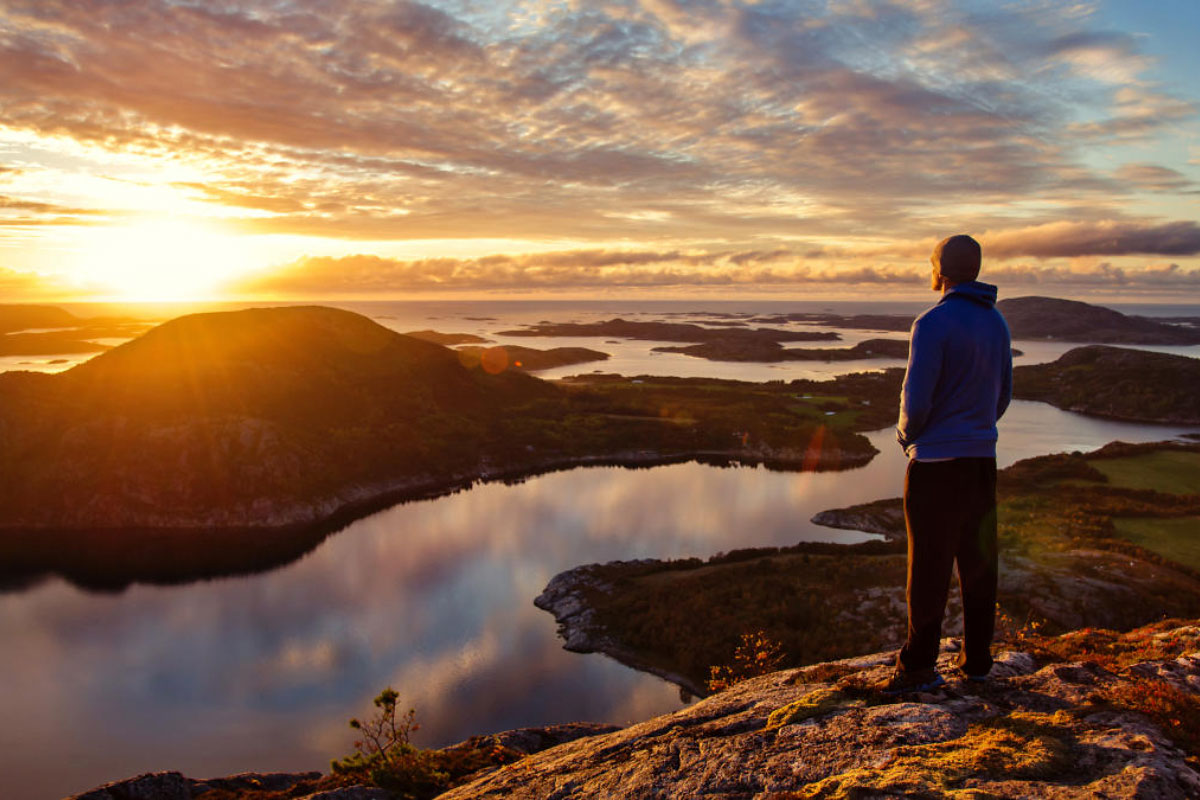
[[950, 513]]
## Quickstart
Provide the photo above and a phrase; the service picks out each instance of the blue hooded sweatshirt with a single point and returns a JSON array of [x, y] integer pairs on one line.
[[959, 378]]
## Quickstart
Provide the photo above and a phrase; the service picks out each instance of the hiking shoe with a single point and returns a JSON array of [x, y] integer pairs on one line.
[[975, 679], [904, 681]]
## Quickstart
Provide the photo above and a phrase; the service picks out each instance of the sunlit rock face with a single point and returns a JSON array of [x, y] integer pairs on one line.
[[1041, 727]]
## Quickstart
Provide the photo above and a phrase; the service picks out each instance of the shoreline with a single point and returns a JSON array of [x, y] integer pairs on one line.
[[359, 501], [563, 599]]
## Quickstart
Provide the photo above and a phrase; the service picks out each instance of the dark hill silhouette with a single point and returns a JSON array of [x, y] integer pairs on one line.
[[16, 317], [300, 364], [262, 417], [1074, 321], [1037, 318]]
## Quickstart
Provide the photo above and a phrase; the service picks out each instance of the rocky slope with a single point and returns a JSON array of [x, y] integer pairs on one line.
[[1041, 728]]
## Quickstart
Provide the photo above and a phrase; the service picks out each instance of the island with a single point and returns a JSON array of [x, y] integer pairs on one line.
[[447, 339], [22, 316], [670, 332], [48, 343], [1116, 382], [229, 442], [1074, 321], [1034, 318], [770, 351], [868, 322], [33, 330], [528, 359]]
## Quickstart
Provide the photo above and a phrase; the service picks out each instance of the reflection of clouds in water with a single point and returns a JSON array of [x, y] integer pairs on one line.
[[1029, 429]]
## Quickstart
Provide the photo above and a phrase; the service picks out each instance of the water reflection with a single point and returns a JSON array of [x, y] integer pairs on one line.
[[433, 597]]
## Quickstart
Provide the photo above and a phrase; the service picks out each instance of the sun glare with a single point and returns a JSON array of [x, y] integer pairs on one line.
[[164, 260]]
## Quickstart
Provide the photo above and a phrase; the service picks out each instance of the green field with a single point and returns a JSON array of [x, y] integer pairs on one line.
[[1170, 471], [1176, 538]]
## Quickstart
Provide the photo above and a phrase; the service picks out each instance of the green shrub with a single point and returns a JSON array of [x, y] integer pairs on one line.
[[386, 757]]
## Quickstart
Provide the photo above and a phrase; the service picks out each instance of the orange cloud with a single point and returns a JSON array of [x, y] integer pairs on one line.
[[600, 269]]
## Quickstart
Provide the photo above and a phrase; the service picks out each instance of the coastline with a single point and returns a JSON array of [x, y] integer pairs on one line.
[[358, 501], [111, 557], [564, 598]]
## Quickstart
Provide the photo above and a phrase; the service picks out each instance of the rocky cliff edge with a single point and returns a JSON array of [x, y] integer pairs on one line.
[[1098, 726]]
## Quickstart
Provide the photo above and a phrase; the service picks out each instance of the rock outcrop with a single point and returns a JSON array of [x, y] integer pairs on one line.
[[884, 517], [170, 785], [1036, 729]]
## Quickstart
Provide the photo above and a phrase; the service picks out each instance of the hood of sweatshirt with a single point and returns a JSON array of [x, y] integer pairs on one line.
[[978, 291]]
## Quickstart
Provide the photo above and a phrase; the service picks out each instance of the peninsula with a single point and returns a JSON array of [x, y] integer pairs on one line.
[[1116, 382], [1085, 541]]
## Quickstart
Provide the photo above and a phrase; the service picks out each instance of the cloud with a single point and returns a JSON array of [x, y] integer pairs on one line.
[[342, 118], [25, 285], [1103, 238], [33, 212], [1105, 56], [1101, 276], [1153, 178], [603, 269]]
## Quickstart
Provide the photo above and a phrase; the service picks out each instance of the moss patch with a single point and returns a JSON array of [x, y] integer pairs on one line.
[[1168, 471], [813, 704], [1177, 539], [1022, 746]]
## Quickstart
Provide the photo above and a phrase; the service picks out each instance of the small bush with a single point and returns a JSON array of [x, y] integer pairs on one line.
[[1175, 711], [385, 757], [757, 654]]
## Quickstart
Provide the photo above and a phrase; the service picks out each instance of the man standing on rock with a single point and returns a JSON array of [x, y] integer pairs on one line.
[[958, 383]]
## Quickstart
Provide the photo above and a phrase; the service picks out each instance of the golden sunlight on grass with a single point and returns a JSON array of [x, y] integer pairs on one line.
[[164, 259]]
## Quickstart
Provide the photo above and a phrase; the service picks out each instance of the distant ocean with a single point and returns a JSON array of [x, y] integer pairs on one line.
[[488, 318]]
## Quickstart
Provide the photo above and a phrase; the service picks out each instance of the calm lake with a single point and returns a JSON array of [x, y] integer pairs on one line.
[[433, 598]]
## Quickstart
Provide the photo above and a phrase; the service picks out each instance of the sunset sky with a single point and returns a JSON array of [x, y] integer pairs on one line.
[[173, 149]]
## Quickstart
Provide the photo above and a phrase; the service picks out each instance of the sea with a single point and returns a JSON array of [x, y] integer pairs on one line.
[[262, 672]]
